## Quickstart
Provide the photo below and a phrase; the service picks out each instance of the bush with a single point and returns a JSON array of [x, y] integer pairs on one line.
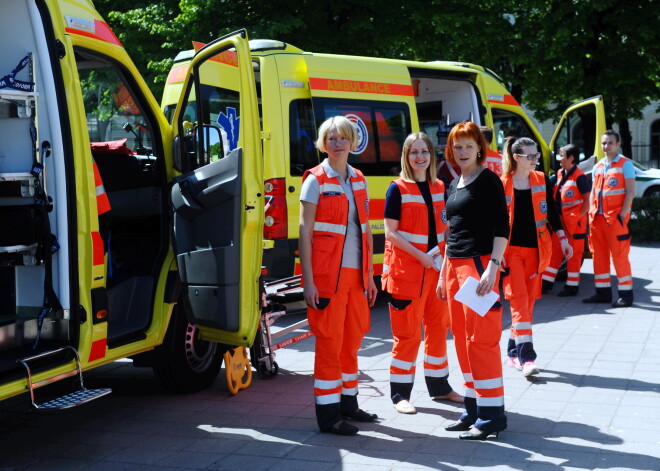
[[644, 223]]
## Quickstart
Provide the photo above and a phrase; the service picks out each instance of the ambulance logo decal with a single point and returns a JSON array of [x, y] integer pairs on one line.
[[363, 136], [613, 181], [543, 207], [230, 123]]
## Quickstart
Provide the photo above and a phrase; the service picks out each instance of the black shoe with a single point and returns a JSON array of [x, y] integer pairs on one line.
[[568, 291], [342, 428], [359, 415], [546, 286], [458, 426], [622, 302], [476, 434], [598, 298]]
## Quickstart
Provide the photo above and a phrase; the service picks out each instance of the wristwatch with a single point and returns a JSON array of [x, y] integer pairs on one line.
[[495, 261]]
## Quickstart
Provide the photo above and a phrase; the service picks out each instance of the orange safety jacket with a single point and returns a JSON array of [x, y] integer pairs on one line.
[[571, 202], [540, 205], [330, 229], [402, 273], [493, 161], [613, 186], [102, 201]]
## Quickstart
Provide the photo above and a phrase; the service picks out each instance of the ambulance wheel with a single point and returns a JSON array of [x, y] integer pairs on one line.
[[190, 364], [267, 373]]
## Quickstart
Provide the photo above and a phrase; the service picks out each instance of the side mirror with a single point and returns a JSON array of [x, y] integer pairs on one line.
[[200, 147]]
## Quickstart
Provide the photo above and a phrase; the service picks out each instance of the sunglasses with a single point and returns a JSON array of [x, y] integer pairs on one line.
[[531, 156]]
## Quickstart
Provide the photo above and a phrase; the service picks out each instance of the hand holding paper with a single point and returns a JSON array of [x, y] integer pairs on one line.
[[467, 294]]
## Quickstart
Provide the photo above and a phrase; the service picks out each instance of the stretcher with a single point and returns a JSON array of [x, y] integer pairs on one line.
[[276, 297]]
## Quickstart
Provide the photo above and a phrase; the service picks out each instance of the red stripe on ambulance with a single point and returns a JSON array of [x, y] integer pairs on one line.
[[358, 86], [102, 32]]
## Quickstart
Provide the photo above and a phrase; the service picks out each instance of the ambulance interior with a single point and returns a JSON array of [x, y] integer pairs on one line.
[[442, 101], [33, 198]]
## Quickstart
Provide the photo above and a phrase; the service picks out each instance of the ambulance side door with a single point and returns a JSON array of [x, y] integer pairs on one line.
[[582, 124], [218, 202]]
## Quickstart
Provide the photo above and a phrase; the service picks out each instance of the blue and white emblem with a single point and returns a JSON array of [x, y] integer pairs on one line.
[[544, 207], [570, 193], [443, 216], [230, 123], [613, 181], [362, 134]]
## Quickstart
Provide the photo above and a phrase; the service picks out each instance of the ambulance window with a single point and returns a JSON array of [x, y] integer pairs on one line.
[[507, 124], [302, 137], [114, 115], [382, 128], [578, 128]]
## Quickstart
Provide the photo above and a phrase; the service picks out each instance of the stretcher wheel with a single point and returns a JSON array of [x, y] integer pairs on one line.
[[237, 369], [265, 372]]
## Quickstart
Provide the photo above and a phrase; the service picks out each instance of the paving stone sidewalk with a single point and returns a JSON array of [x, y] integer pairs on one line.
[[595, 406]]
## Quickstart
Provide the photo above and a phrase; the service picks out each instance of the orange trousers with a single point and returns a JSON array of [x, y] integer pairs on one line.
[[407, 318], [573, 264], [477, 341], [611, 242], [522, 287], [339, 330]]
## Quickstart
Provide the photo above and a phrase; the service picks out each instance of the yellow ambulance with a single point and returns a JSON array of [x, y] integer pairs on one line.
[[386, 99], [122, 234]]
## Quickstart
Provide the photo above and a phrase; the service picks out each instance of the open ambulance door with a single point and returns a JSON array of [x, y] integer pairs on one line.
[[217, 202], [582, 124]]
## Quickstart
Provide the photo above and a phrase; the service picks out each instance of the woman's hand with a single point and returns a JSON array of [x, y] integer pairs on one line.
[[566, 248], [311, 294], [441, 289], [488, 279], [372, 291], [426, 260]]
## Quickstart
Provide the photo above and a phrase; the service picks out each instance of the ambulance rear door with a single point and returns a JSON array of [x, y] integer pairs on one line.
[[582, 124], [218, 202]]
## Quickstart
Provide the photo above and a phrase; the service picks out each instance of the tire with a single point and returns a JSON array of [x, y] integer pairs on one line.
[[189, 363], [653, 192]]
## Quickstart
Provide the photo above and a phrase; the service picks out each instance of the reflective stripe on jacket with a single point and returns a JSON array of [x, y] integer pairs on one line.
[[612, 184], [571, 202], [102, 201], [330, 229], [540, 205], [403, 273]]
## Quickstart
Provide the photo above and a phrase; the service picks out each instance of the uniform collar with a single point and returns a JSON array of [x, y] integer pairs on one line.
[[330, 172]]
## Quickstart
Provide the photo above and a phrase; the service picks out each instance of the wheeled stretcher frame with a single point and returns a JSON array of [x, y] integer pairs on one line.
[[262, 352]]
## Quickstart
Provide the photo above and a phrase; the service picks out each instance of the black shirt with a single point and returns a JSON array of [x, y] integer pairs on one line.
[[393, 208], [523, 232], [477, 214]]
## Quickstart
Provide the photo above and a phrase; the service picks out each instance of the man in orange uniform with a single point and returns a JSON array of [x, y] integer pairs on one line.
[[571, 194], [610, 202]]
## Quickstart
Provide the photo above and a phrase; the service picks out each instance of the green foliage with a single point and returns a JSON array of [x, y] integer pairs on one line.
[[644, 222], [549, 53]]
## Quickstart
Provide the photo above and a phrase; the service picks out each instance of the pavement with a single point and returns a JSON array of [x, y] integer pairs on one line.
[[595, 406]]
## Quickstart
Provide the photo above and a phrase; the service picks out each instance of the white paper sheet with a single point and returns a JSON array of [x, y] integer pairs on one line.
[[468, 296], [437, 257]]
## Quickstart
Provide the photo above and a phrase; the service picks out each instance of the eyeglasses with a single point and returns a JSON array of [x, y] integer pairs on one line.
[[531, 156]]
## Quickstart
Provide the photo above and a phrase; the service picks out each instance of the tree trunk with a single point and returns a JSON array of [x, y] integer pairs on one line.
[[626, 138]]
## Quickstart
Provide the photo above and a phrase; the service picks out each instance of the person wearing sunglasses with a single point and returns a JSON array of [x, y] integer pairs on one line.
[[531, 211]]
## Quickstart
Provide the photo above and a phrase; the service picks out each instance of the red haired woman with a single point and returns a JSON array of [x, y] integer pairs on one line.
[[478, 227]]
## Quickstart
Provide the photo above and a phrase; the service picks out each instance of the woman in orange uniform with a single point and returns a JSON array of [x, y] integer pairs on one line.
[[478, 228], [414, 232], [531, 207], [335, 254], [571, 194]]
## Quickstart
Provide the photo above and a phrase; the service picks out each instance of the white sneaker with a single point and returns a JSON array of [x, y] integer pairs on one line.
[[405, 407]]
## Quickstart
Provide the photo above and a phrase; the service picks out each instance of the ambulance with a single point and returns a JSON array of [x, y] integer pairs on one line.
[[122, 233], [386, 99]]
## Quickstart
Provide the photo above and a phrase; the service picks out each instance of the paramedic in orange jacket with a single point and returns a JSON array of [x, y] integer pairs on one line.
[[478, 228], [571, 196], [531, 208], [611, 198], [335, 254], [414, 226]]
